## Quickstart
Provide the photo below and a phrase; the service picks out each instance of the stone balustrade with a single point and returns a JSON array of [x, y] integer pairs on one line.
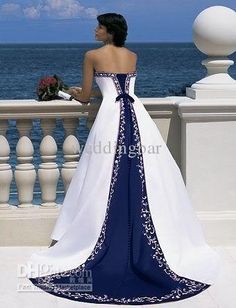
[[24, 112], [17, 163]]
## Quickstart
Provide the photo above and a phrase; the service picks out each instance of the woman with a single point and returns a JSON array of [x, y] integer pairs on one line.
[[126, 223]]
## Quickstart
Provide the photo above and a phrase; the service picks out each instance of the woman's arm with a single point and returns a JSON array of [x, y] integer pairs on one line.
[[84, 94]]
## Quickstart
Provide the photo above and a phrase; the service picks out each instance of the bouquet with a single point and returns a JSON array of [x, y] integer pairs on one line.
[[50, 88]]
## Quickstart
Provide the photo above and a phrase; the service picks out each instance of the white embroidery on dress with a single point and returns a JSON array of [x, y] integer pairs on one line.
[[114, 75], [47, 282]]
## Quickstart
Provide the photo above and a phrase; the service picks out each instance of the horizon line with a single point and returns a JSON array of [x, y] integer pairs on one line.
[[95, 43]]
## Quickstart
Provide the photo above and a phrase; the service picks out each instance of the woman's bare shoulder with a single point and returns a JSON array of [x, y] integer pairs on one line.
[[94, 54], [133, 53], [96, 50], [103, 48], [130, 52], [91, 52]]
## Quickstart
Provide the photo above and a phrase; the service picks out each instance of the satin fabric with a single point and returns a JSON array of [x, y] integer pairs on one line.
[[126, 217]]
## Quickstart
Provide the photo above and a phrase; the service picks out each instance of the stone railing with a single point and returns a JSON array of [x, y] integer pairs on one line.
[[24, 112], [190, 127], [30, 223]]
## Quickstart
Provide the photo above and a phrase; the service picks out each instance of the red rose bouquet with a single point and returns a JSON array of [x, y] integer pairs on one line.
[[50, 88]]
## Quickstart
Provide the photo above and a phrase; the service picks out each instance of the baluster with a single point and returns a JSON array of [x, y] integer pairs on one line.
[[71, 150], [6, 174], [48, 172], [25, 174]]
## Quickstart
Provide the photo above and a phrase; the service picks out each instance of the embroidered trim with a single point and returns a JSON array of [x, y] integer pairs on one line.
[[174, 295], [113, 75]]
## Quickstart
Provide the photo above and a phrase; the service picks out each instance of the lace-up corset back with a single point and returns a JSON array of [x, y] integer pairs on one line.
[[116, 84]]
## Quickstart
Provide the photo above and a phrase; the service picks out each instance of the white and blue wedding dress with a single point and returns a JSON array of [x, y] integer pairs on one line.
[[126, 221]]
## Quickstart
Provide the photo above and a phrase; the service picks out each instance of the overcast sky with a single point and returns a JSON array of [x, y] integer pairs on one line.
[[74, 21]]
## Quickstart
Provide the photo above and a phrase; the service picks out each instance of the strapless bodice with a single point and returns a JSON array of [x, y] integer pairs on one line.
[[116, 84], [108, 74]]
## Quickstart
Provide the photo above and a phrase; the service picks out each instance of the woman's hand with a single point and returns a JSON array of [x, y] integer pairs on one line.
[[74, 91]]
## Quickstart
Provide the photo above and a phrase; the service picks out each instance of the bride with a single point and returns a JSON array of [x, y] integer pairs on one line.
[[126, 232]]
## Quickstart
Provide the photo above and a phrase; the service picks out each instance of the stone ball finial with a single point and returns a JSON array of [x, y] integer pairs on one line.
[[214, 31]]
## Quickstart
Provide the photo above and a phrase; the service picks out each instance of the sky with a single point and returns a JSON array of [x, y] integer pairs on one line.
[[53, 21]]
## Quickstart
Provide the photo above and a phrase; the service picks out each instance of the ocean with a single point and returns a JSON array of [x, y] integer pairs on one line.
[[163, 69]]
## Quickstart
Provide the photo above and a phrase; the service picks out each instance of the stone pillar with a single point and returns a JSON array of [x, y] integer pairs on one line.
[[208, 128], [25, 174], [71, 150], [48, 172], [6, 174]]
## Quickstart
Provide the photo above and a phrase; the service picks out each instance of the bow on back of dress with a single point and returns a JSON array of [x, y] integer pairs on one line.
[[125, 96]]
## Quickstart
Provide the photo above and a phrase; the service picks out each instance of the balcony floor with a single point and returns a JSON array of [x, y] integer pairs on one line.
[[221, 295]]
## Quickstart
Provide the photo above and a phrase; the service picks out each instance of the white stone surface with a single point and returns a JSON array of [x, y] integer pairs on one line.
[[208, 150], [220, 295], [214, 31]]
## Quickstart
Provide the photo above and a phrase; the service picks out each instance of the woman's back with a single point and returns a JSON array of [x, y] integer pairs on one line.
[[114, 59]]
